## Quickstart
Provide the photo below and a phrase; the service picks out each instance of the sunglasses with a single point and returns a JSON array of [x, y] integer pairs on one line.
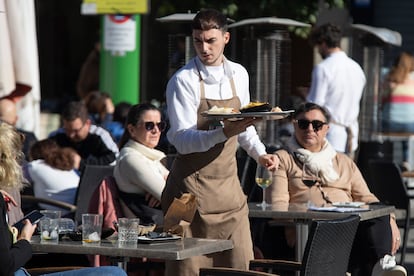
[[316, 124], [151, 125]]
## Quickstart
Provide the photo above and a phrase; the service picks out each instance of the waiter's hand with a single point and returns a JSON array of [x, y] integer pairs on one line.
[[232, 128], [270, 161]]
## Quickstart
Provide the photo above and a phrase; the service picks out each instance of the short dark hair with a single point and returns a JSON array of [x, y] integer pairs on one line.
[[74, 110], [306, 107], [208, 19], [329, 33]]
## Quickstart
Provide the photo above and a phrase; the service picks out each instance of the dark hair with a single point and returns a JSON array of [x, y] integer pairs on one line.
[[208, 19], [134, 116], [121, 112], [56, 157], [306, 107], [74, 110], [329, 33]]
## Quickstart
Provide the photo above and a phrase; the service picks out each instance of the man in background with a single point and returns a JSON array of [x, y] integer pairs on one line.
[[93, 144], [337, 84], [8, 114]]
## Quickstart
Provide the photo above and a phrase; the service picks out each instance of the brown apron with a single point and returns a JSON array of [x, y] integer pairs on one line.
[[222, 211]]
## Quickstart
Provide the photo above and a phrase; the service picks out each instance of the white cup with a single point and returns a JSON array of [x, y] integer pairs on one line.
[[128, 230], [91, 229]]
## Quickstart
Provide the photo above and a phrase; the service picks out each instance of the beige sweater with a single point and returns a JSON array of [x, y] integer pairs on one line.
[[287, 184]]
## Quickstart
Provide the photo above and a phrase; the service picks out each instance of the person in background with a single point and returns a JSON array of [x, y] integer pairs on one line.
[[337, 84], [16, 248], [93, 144], [100, 107], [116, 127], [88, 79], [206, 163], [8, 114], [398, 103], [139, 172], [48, 163], [338, 180]]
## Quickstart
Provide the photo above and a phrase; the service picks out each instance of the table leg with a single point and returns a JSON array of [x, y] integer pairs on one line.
[[121, 262]]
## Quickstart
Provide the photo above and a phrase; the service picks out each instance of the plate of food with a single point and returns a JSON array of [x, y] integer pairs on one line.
[[254, 109]]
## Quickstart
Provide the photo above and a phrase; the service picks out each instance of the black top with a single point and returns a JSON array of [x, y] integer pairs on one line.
[[93, 149], [13, 256]]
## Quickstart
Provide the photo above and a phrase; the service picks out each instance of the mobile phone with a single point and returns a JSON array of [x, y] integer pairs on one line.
[[33, 217]]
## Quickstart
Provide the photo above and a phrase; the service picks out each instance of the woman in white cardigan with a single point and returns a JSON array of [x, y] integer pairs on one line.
[[139, 172]]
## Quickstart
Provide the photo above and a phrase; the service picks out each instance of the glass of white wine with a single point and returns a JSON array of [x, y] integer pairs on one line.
[[309, 179], [263, 179]]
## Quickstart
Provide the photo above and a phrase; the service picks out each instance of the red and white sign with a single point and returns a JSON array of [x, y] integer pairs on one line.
[[119, 33]]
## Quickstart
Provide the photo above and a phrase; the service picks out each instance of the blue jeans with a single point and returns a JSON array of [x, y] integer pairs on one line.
[[89, 271]]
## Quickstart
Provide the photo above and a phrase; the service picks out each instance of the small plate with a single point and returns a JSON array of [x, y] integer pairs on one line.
[[265, 115], [354, 204]]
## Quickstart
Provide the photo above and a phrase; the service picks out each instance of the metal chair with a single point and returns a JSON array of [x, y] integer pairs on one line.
[[221, 271], [326, 253], [91, 178], [387, 184]]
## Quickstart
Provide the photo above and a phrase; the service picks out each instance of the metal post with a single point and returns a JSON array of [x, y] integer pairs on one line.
[[120, 57]]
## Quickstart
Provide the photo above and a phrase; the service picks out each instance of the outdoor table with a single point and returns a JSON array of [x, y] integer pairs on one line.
[[301, 216], [171, 250]]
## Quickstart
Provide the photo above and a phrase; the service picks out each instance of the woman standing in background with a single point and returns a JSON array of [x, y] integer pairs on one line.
[[398, 104]]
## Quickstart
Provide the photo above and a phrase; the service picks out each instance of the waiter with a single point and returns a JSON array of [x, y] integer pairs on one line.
[[206, 164]]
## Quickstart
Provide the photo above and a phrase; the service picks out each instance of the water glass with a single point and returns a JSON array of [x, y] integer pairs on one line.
[[128, 231], [91, 229], [49, 230]]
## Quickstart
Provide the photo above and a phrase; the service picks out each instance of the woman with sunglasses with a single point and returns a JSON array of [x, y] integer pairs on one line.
[[337, 179], [138, 172]]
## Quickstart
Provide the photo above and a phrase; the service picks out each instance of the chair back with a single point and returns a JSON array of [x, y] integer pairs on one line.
[[329, 246], [387, 184], [91, 178], [222, 271]]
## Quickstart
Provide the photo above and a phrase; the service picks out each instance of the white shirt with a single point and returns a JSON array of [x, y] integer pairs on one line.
[[337, 84], [138, 170], [49, 182], [183, 100]]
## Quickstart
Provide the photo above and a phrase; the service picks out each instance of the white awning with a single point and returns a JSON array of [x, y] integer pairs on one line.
[[177, 17]]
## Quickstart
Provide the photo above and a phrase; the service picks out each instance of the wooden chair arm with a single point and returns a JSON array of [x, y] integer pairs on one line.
[[32, 199], [45, 270]]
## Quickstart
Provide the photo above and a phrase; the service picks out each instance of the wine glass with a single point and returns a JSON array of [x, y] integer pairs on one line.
[[263, 179], [309, 179]]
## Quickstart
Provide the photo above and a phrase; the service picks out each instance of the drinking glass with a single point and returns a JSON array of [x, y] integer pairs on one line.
[[263, 179], [309, 179], [128, 231], [91, 229]]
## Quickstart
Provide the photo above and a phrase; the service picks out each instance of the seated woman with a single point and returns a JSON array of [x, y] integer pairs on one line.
[[338, 179], [51, 172], [138, 172], [15, 246]]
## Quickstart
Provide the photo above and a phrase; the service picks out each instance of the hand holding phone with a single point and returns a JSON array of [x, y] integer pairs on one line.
[[33, 217]]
